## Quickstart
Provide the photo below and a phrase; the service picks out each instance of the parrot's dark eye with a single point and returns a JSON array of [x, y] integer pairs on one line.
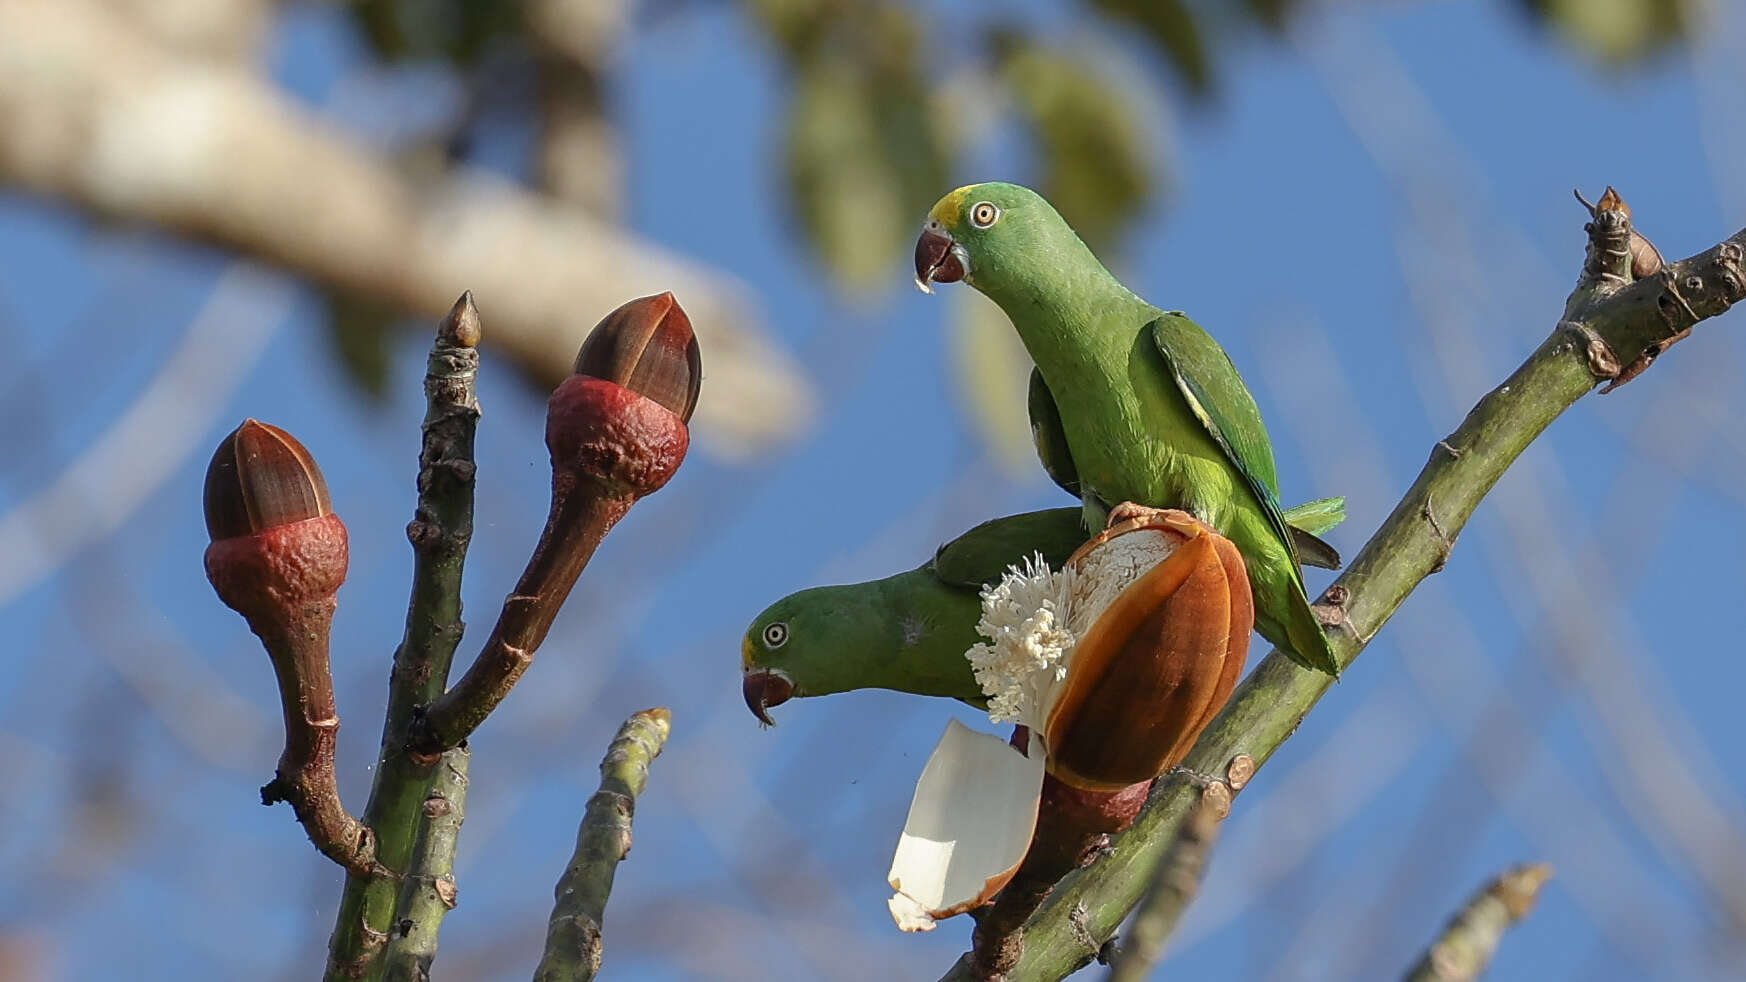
[[776, 635], [984, 214]]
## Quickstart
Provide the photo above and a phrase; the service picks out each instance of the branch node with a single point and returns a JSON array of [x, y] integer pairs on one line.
[[1217, 796], [1445, 541], [1241, 769], [1603, 364]]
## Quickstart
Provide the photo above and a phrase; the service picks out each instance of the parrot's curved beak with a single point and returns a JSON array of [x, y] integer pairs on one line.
[[938, 258], [766, 687]]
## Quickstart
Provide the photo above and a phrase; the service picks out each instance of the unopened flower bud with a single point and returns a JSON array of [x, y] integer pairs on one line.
[[620, 420], [648, 347], [260, 477], [276, 543]]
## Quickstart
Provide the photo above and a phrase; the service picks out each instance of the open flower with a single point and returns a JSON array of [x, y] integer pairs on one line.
[[1112, 665]]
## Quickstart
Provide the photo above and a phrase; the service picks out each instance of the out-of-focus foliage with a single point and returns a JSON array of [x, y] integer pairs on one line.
[[1174, 28], [1618, 31], [454, 30], [872, 135], [864, 154], [1093, 148]]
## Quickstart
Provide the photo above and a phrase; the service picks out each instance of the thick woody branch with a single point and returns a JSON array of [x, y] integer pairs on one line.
[[573, 935], [440, 531], [101, 115], [1466, 946], [1606, 324], [428, 891]]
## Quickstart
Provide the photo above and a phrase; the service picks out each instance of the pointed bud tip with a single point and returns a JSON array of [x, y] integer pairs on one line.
[[260, 477], [460, 327], [647, 346]]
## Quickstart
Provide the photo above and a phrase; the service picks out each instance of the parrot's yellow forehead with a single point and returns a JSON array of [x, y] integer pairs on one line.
[[746, 652], [949, 208]]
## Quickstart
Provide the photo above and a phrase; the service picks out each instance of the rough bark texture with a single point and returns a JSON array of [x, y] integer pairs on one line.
[[428, 891], [573, 935]]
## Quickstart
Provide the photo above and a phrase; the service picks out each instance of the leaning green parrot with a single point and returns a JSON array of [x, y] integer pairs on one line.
[[909, 632], [1138, 404]]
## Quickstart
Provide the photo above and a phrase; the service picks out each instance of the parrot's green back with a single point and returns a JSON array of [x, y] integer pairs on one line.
[[1151, 408]]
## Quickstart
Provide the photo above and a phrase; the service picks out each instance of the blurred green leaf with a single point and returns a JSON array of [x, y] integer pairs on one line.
[[1098, 164], [1618, 31], [457, 31], [1271, 14], [862, 159], [993, 372], [360, 332], [1174, 28]]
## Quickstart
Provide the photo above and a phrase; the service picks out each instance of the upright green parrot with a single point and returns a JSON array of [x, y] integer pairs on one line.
[[1130, 402], [909, 632]]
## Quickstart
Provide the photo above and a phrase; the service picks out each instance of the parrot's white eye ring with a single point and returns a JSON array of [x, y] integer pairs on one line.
[[984, 213], [776, 635]]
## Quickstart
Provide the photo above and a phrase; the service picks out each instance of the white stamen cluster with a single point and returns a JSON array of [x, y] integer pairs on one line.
[[1024, 617], [1035, 616]]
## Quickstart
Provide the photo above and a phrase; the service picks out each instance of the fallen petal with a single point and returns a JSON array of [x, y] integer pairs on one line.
[[969, 826]]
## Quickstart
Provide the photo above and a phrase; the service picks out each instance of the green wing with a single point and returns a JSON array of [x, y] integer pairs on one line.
[[981, 555], [1308, 521], [1050, 438], [1318, 516], [1218, 398]]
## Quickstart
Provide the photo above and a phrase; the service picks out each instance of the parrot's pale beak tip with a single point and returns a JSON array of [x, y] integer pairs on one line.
[[924, 285], [766, 687]]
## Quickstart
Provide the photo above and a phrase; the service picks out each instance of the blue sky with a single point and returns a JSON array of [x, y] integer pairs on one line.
[[1373, 216]]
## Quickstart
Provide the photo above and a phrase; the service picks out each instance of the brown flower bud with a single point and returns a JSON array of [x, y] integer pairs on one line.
[[648, 347], [276, 543], [620, 420], [260, 477], [1160, 661], [278, 556]]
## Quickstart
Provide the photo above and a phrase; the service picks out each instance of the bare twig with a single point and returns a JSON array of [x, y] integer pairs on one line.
[[573, 935], [298, 645], [440, 532], [1272, 701], [1466, 946], [1173, 886]]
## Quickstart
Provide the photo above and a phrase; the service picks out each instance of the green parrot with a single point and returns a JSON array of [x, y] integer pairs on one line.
[[1129, 402], [909, 632]]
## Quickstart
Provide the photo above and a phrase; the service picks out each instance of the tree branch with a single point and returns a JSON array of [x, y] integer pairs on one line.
[[1603, 320], [1173, 888], [573, 935], [440, 532], [428, 891], [1466, 946], [100, 115], [305, 777]]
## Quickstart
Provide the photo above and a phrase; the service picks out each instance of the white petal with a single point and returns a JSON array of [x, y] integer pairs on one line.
[[969, 826]]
